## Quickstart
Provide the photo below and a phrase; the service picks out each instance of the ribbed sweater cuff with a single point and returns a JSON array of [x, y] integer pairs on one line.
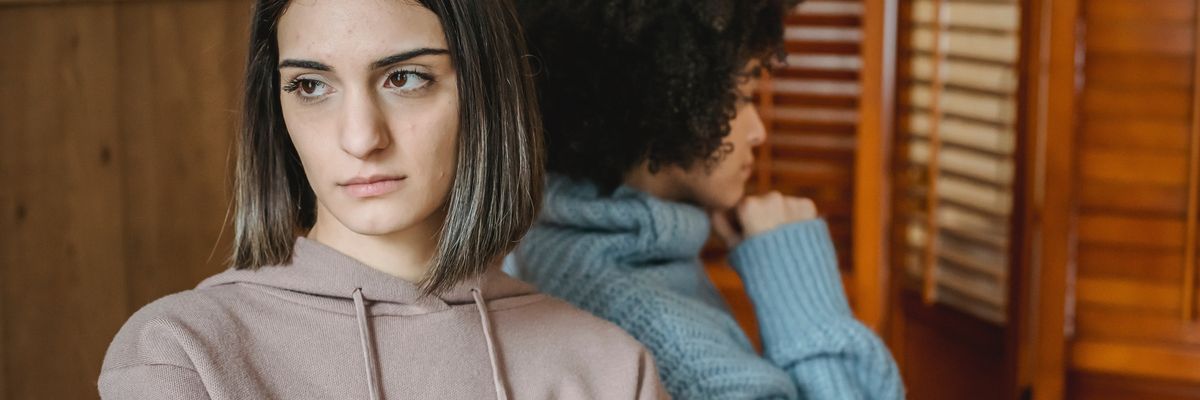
[[791, 275]]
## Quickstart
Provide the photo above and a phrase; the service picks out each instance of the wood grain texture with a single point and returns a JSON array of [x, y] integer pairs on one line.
[[182, 78], [63, 281], [115, 128]]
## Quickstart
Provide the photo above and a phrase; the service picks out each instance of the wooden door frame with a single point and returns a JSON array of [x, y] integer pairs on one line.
[[1046, 276], [872, 177]]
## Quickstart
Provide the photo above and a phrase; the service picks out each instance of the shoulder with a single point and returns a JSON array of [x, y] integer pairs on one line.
[[556, 320], [164, 331]]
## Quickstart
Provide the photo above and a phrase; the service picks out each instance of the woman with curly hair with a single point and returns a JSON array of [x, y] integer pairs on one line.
[[650, 131]]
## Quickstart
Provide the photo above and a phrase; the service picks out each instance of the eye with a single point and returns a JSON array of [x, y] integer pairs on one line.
[[307, 88], [407, 81]]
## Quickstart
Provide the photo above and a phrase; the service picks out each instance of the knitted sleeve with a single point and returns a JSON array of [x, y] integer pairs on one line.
[[807, 327]]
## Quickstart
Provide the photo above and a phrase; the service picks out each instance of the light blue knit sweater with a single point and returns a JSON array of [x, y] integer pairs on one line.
[[634, 260]]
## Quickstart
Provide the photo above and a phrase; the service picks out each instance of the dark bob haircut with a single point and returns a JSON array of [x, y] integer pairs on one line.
[[623, 81], [498, 181]]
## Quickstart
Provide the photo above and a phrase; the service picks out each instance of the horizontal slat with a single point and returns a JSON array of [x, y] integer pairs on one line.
[[965, 133], [1130, 264], [1133, 198], [1124, 167], [1145, 37], [1122, 231], [1135, 135], [981, 298], [978, 196], [828, 62], [1167, 362], [1162, 297], [1114, 70], [968, 45], [832, 8], [1125, 325], [995, 16], [808, 171], [989, 263], [815, 87], [987, 168], [999, 110], [1139, 11], [822, 34], [996, 78], [1138, 102], [974, 237], [815, 115]]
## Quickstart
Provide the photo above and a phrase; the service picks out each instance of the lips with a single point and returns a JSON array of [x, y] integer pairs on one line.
[[372, 186]]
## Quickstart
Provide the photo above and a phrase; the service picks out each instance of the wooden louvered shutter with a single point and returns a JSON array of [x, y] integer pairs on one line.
[[957, 89]]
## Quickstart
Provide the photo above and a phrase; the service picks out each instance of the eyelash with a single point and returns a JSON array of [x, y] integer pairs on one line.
[[294, 84]]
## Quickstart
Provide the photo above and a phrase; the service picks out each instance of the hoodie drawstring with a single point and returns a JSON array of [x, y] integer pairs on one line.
[[368, 350], [497, 373]]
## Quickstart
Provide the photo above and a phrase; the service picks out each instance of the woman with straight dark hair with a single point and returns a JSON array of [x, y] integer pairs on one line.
[[390, 156], [651, 133]]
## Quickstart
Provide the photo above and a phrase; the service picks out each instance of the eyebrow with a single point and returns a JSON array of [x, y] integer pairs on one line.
[[383, 62], [405, 56]]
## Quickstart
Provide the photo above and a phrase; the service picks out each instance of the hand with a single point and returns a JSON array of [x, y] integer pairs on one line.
[[757, 214]]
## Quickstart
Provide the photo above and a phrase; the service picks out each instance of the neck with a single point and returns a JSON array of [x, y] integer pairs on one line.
[[660, 184], [404, 254]]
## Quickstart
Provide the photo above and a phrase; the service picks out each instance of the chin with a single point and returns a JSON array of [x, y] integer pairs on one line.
[[376, 221]]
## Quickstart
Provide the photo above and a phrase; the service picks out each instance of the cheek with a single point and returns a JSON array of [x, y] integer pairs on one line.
[[310, 145]]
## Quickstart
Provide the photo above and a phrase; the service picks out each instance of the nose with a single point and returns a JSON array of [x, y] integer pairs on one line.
[[752, 125], [364, 130]]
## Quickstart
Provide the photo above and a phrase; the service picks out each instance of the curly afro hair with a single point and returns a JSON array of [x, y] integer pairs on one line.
[[626, 81]]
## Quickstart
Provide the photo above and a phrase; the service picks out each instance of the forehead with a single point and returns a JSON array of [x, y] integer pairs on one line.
[[344, 31]]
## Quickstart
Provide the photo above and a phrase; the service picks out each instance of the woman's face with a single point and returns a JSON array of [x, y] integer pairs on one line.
[[370, 100], [721, 186]]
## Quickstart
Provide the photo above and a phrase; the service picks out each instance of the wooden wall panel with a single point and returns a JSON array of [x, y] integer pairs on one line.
[[116, 123], [181, 78], [64, 284]]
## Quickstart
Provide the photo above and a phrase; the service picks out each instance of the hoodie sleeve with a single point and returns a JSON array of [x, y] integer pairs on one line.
[[161, 381], [649, 385], [147, 358], [807, 326]]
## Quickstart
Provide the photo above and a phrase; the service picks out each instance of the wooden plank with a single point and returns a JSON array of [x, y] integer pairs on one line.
[[1124, 325], [1141, 38], [1189, 260], [1133, 264], [1132, 198], [63, 265], [1097, 386], [1155, 361], [1139, 11], [1149, 70], [1146, 296], [1129, 167], [1154, 136], [1169, 103], [1150, 233], [181, 84]]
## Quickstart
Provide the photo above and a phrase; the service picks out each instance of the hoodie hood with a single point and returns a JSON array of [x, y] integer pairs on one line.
[[319, 270], [643, 227]]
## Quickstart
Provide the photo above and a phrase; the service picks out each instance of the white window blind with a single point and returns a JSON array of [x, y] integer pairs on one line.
[[957, 137]]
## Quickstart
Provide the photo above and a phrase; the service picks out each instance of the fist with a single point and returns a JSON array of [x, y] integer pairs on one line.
[[757, 214]]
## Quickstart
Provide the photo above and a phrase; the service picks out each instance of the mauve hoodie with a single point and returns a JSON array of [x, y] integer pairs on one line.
[[326, 326]]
